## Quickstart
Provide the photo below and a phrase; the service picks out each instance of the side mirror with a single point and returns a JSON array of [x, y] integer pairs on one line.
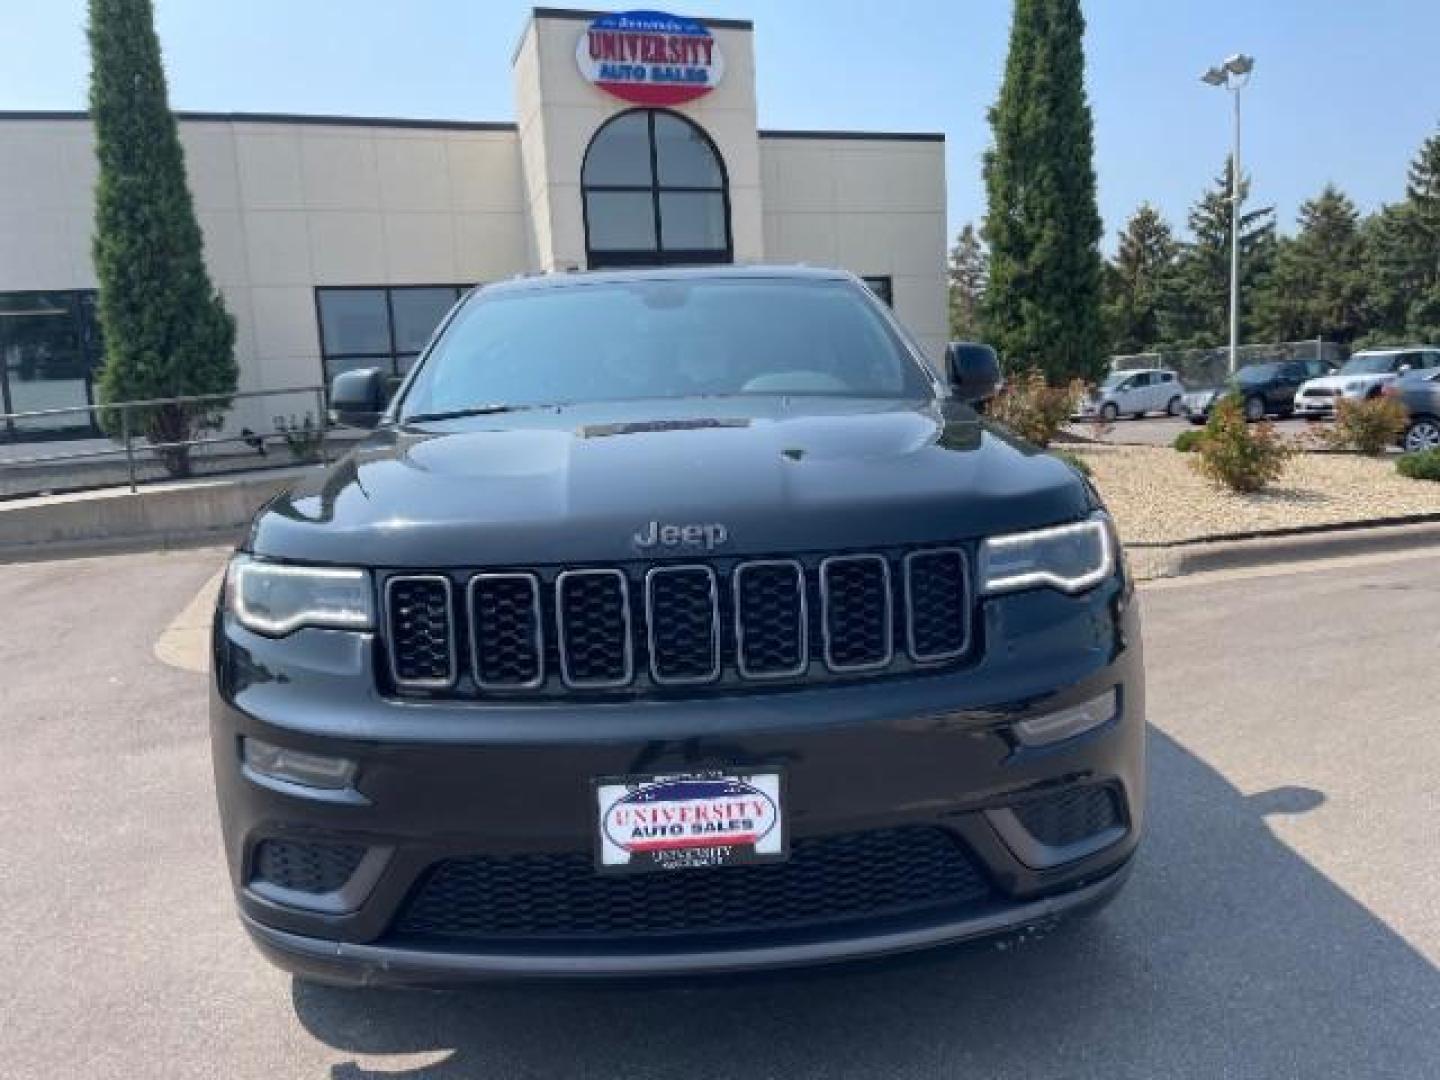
[[358, 398], [973, 370], [1404, 369]]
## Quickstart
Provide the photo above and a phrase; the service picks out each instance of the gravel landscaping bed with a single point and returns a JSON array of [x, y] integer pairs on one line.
[[1157, 497]]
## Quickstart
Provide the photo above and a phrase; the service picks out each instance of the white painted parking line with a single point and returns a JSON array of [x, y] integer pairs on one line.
[[184, 643]]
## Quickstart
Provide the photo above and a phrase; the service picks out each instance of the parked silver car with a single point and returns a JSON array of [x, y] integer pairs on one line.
[[1135, 393], [1419, 392]]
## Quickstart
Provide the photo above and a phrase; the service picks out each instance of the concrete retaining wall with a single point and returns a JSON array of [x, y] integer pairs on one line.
[[159, 516]]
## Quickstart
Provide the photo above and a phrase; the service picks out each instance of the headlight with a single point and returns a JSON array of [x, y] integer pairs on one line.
[[1071, 558], [276, 598], [1354, 387]]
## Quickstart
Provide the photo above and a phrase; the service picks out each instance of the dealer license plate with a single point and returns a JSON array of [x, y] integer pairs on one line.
[[690, 820]]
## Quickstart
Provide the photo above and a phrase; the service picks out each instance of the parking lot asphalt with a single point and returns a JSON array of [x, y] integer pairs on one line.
[[1283, 920], [1161, 430]]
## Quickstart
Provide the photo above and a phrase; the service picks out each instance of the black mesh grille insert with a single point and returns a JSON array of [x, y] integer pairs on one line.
[[939, 604], [770, 616], [594, 616], [422, 640], [856, 596], [684, 629], [306, 867], [505, 614], [1071, 815], [889, 872]]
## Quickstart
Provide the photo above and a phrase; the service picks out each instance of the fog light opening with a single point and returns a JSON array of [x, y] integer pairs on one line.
[[297, 766], [1067, 723]]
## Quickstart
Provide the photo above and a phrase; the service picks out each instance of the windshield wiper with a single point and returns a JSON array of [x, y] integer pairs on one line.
[[455, 414]]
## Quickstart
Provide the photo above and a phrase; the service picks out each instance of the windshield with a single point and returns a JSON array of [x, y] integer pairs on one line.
[[1114, 379], [664, 339], [1257, 373], [1374, 364]]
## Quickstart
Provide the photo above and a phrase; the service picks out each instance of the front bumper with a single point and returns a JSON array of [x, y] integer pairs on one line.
[[440, 781]]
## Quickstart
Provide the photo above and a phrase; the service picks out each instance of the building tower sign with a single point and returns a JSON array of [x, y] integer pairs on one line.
[[650, 58]]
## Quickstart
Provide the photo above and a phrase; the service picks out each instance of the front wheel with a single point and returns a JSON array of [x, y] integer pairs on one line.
[[1173, 409], [1109, 412], [1422, 434], [1254, 409]]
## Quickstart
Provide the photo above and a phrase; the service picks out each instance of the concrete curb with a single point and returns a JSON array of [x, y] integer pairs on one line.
[[182, 513], [1195, 557]]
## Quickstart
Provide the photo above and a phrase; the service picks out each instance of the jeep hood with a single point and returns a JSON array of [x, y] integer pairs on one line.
[[577, 483]]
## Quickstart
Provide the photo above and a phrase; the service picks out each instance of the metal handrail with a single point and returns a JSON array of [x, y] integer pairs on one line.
[[128, 438]]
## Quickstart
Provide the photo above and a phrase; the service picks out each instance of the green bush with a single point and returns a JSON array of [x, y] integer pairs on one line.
[[1243, 457], [1033, 409], [1421, 465], [1075, 461], [1368, 427], [1187, 442]]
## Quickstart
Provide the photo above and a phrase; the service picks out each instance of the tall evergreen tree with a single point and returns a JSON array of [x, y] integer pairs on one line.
[[1422, 194], [1042, 306], [1319, 284], [166, 330], [1136, 279], [1196, 309], [969, 272]]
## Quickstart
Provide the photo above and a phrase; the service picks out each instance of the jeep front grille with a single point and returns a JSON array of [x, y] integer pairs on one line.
[[677, 627]]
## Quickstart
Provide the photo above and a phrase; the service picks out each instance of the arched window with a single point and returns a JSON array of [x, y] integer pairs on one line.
[[655, 193]]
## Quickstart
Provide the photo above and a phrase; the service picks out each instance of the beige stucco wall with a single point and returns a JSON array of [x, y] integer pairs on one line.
[[871, 206], [284, 207], [558, 113]]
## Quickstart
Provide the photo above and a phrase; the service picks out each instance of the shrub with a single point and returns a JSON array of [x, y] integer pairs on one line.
[[1033, 409], [303, 439], [1243, 457], [1075, 461], [1366, 427], [1187, 442], [1421, 465]]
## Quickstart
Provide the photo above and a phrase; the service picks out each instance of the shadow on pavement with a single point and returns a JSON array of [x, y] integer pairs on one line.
[[1228, 954]]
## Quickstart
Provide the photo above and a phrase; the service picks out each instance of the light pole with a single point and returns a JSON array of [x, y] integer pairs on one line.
[[1233, 74]]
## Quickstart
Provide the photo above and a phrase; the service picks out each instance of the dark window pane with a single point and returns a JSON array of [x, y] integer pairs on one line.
[[403, 364], [620, 220], [337, 365], [692, 220], [620, 153], [882, 288], [417, 312], [354, 321], [41, 358], [683, 157]]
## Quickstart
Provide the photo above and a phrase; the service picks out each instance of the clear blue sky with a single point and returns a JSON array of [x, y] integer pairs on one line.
[[1343, 91]]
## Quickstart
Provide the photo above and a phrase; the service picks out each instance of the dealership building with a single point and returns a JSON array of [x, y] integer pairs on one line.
[[338, 242]]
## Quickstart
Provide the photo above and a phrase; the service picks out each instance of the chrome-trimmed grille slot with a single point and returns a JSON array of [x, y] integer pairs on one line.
[[682, 624], [420, 631], [593, 629], [507, 636], [772, 620], [857, 612], [937, 604]]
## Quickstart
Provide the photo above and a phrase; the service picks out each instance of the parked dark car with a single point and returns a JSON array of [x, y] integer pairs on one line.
[[672, 621], [1266, 388], [1419, 392]]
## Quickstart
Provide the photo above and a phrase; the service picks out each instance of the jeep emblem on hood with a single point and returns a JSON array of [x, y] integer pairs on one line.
[[708, 535]]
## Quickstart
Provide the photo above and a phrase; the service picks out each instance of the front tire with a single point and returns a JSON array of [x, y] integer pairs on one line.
[[1254, 409], [1173, 409], [1109, 412], [1422, 434]]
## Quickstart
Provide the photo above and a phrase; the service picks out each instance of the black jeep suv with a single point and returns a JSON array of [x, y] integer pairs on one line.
[[672, 621]]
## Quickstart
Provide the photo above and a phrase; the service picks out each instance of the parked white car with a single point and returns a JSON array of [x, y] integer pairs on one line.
[[1364, 375], [1135, 393]]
